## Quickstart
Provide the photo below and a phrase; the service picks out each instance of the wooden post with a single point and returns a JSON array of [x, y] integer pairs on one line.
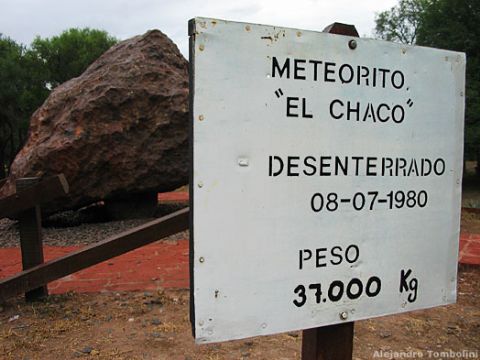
[[334, 342], [30, 228]]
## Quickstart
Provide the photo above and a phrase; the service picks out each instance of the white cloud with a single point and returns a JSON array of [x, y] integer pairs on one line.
[[22, 20]]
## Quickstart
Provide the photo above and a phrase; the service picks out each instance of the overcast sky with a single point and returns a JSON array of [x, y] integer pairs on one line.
[[22, 20]]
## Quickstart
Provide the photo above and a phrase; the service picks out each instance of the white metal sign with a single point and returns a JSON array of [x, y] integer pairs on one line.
[[326, 178]]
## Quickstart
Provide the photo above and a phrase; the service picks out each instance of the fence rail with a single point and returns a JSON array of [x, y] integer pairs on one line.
[[29, 197], [42, 274], [25, 204]]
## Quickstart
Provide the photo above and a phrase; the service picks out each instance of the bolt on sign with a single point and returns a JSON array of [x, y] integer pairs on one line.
[[326, 178]]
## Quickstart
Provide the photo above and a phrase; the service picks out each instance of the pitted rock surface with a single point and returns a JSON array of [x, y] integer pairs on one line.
[[119, 129]]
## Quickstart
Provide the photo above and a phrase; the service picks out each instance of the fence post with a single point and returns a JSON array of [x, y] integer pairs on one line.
[[30, 228]]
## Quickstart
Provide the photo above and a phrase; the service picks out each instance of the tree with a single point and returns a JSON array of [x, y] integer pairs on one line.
[[401, 22], [446, 24], [453, 25], [10, 52], [23, 90], [69, 54], [28, 74]]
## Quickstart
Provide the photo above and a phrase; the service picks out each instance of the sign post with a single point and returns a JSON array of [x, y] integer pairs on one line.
[[334, 341], [325, 181]]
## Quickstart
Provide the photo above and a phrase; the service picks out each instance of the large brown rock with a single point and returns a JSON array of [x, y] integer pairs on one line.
[[119, 129]]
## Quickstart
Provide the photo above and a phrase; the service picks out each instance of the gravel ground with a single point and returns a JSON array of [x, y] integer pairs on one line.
[[64, 234]]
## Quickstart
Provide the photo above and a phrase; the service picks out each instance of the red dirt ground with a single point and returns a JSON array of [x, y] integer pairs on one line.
[[159, 265]]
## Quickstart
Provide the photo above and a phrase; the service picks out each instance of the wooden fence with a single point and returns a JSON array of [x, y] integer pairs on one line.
[[36, 274]]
